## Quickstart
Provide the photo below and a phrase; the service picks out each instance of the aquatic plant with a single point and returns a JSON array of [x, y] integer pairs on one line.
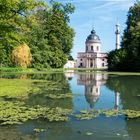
[[131, 114], [59, 96], [89, 133], [14, 88], [37, 130], [110, 113], [87, 115], [18, 112]]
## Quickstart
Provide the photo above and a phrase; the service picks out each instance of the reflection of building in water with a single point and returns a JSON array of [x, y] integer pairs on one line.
[[92, 83], [69, 74], [117, 98]]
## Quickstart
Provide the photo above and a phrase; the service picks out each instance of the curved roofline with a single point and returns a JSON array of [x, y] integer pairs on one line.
[[93, 37], [92, 41]]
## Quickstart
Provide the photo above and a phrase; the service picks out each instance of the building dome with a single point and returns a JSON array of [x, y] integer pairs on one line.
[[93, 37]]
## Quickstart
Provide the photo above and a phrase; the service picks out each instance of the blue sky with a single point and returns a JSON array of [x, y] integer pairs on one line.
[[103, 14]]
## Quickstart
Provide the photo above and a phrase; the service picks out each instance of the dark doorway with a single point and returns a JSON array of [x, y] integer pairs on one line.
[[81, 64], [91, 64]]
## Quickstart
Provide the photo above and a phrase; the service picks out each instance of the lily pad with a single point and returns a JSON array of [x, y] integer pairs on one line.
[[89, 133]]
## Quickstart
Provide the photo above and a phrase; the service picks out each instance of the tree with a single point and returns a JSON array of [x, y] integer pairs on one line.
[[130, 44], [51, 40], [16, 18], [70, 57], [21, 56], [116, 60], [45, 29]]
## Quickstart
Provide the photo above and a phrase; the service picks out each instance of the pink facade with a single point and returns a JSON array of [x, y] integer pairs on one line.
[[92, 57]]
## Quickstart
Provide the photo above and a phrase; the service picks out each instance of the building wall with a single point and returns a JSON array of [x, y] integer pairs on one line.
[[98, 62], [92, 47], [70, 64], [92, 57]]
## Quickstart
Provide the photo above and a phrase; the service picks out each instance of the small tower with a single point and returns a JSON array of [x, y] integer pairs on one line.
[[117, 36]]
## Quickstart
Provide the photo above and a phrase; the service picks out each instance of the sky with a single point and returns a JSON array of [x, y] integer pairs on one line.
[[103, 15]]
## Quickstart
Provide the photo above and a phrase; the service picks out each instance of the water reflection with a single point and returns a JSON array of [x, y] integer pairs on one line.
[[92, 88], [129, 89], [100, 91], [117, 100], [92, 84]]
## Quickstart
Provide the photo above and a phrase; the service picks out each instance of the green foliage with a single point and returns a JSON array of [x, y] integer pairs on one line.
[[21, 56], [117, 60], [127, 59], [44, 29], [51, 40], [16, 17], [17, 69], [70, 57]]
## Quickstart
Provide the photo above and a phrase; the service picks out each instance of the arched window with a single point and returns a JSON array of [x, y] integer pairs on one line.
[[86, 48], [91, 48], [97, 48]]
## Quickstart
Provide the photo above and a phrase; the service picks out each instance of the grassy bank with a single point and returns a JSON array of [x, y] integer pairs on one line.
[[44, 70], [60, 70]]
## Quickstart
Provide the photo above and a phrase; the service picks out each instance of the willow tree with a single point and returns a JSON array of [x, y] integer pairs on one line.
[[21, 56]]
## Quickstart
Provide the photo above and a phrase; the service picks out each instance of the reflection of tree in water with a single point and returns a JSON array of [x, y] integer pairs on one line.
[[51, 83], [92, 83], [52, 131], [44, 82], [133, 128], [14, 76], [57, 131], [129, 89], [13, 133], [56, 84]]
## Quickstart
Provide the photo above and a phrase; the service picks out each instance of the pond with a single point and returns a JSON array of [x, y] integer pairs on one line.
[[60, 106]]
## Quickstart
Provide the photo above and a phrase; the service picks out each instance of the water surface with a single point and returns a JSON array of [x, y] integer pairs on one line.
[[90, 92]]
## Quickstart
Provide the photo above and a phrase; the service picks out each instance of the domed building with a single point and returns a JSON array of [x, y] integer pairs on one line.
[[92, 57]]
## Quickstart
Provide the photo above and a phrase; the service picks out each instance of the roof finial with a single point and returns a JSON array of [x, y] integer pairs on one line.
[[117, 22], [92, 26], [93, 30]]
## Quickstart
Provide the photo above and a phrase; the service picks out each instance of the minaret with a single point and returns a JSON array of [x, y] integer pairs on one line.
[[117, 36]]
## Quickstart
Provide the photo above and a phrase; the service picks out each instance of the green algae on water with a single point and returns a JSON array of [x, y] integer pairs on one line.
[[88, 115], [131, 114], [18, 112]]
